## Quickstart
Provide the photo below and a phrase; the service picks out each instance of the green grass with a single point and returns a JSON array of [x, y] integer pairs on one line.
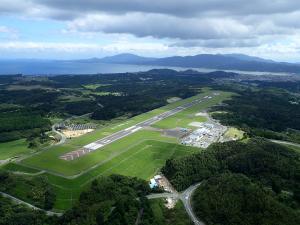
[[234, 133], [181, 119], [73, 98], [175, 216], [185, 117], [140, 155], [95, 86], [49, 160], [13, 148], [19, 168], [75, 143], [142, 160], [295, 148], [103, 93]]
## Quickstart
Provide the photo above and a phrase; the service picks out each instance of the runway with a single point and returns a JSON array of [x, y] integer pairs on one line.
[[128, 131]]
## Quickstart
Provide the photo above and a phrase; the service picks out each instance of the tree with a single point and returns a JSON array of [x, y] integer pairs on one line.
[[276, 187]]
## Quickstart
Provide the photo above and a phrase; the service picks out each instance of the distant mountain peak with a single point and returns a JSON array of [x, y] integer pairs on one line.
[[126, 58], [210, 61]]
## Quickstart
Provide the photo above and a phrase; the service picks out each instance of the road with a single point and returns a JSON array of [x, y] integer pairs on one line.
[[62, 136], [19, 201], [128, 131], [185, 197], [164, 195]]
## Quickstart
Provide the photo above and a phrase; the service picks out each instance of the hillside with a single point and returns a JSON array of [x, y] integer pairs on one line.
[[220, 62]]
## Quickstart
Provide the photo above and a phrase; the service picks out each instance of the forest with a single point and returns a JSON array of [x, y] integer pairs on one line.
[[272, 170], [270, 113], [258, 159], [233, 199]]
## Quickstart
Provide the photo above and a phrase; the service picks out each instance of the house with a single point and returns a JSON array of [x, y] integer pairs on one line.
[[153, 183]]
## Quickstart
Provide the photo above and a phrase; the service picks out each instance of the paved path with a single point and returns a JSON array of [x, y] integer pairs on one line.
[[128, 131], [185, 197], [62, 136], [19, 201], [164, 195]]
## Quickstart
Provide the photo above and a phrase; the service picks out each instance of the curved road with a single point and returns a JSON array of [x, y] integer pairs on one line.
[[185, 197], [62, 136]]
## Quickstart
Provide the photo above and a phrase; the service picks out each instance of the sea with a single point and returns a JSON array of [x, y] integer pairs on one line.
[[49, 67]]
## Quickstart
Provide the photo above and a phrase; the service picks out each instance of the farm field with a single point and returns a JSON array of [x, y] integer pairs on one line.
[[13, 148]]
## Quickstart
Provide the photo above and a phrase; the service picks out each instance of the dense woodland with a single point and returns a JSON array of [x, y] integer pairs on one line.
[[233, 199], [271, 169], [259, 159], [269, 113]]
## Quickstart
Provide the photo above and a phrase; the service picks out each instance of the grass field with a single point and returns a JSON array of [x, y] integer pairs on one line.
[[142, 160], [162, 215], [13, 148], [19, 168], [181, 119], [95, 86], [234, 133], [49, 160], [140, 155], [184, 118]]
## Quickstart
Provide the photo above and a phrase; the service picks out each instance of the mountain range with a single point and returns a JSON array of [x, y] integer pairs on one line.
[[209, 61], [133, 63]]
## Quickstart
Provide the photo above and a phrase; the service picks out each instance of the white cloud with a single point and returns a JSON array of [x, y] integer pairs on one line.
[[8, 33], [259, 27], [4, 29], [161, 26], [64, 47]]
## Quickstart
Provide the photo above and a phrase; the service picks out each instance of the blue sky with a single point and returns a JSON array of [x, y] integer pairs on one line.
[[67, 29]]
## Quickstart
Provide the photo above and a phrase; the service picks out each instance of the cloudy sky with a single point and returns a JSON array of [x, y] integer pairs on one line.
[[96, 28]]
